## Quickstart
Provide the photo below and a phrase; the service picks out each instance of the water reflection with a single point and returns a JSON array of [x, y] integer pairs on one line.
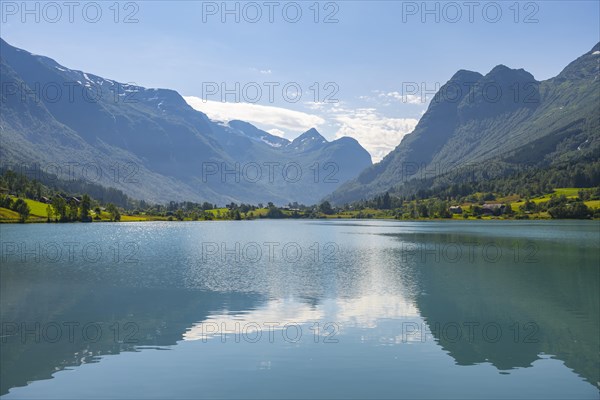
[[390, 285], [363, 312], [538, 297], [93, 322]]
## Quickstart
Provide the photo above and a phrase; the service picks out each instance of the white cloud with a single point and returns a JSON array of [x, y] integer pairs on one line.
[[276, 132], [266, 71], [376, 133], [406, 98], [314, 105], [266, 117]]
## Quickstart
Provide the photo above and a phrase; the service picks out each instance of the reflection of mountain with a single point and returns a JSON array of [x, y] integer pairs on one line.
[[372, 288], [162, 316], [558, 292]]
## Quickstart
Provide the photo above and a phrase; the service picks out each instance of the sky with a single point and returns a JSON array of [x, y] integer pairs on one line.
[[364, 69]]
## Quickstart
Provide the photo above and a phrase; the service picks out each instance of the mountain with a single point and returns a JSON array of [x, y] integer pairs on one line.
[[253, 132], [151, 144], [506, 120]]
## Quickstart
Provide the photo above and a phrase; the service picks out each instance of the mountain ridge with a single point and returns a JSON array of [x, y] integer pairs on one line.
[[472, 126], [159, 140]]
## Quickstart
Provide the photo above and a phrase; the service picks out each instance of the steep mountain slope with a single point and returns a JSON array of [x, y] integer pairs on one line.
[[503, 118], [149, 142]]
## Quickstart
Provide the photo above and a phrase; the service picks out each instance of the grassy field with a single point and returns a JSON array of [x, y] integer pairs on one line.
[[592, 203], [7, 215], [37, 212], [130, 218], [37, 208], [569, 193], [259, 212], [221, 211], [379, 214]]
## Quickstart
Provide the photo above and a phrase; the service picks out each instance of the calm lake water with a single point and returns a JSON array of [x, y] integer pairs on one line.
[[301, 309]]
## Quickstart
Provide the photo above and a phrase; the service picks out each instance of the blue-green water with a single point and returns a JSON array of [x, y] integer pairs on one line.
[[300, 309]]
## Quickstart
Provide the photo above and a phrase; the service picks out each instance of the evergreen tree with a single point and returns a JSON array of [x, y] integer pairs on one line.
[[84, 210], [21, 207]]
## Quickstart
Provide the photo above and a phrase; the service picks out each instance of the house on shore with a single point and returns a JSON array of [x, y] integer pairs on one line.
[[493, 209]]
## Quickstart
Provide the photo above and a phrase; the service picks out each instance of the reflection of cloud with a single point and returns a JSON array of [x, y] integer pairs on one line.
[[365, 311], [362, 312], [276, 313], [273, 117]]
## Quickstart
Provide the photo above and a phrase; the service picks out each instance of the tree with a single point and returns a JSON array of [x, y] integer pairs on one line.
[[6, 202], [529, 206], [60, 208], [84, 211], [274, 212], [574, 210], [442, 209], [422, 210], [21, 207], [73, 210], [325, 208], [114, 212], [476, 211], [488, 197], [386, 202], [49, 212]]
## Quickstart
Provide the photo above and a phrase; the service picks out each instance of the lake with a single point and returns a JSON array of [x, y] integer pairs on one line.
[[301, 309]]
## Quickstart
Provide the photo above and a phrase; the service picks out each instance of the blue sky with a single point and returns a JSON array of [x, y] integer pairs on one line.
[[363, 58]]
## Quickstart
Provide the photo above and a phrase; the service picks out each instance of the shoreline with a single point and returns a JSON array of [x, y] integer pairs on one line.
[[307, 219]]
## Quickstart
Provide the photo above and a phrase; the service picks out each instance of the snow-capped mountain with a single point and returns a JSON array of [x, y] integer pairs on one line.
[[151, 144]]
